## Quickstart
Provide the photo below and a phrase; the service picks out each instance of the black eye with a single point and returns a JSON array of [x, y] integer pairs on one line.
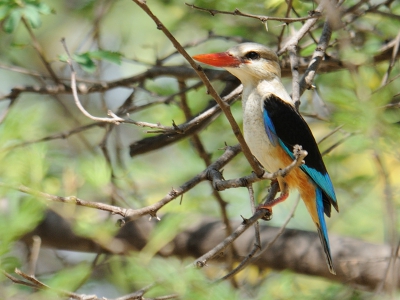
[[252, 55]]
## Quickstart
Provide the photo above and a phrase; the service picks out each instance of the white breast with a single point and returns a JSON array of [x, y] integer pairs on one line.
[[253, 122], [256, 136]]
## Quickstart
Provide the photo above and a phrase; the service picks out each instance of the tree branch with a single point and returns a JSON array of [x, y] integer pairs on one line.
[[358, 263], [237, 12]]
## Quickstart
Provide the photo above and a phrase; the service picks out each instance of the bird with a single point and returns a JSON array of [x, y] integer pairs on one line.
[[272, 126]]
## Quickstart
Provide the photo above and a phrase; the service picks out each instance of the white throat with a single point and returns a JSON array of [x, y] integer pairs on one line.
[[257, 91]]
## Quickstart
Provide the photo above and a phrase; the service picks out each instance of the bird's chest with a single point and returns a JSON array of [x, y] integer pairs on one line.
[[256, 136]]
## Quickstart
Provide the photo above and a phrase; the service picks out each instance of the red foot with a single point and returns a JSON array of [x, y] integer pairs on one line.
[[273, 202], [268, 205]]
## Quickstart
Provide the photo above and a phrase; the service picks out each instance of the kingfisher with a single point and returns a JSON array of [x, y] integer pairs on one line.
[[272, 126]]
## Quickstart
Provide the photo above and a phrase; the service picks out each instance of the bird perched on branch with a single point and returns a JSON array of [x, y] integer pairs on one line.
[[272, 127]]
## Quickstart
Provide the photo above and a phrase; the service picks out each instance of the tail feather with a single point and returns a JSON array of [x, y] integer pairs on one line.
[[325, 245], [322, 230]]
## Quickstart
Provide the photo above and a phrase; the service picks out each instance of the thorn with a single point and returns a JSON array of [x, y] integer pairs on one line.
[[180, 202], [153, 214], [266, 25], [244, 220]]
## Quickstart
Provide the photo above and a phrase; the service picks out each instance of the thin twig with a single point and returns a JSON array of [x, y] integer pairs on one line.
[[220, 184], [294, 40], [39, 50], [113, 117], [69, 200], [392, 60], [279, 233], [294, 63], [250, 259], [318, 55], [35, 283], [263, 19], [253, 210], [202, 261], [330, 134]]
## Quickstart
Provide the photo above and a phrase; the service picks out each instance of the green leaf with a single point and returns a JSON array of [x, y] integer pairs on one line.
[[86, 63], [63, 57], [111, 56], [44, 9], [4, 11], [31, 13], [12, 21], [85, 60]]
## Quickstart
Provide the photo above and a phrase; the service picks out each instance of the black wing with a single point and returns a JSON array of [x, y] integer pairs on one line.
[[288, 127]]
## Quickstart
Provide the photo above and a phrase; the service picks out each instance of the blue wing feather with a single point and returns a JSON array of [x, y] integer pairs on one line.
[[270, 128]]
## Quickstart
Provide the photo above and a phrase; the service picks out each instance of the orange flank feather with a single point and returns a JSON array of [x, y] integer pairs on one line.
[[299, 180]]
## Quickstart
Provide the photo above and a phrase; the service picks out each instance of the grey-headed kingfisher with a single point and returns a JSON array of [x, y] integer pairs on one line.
[[272, 126]]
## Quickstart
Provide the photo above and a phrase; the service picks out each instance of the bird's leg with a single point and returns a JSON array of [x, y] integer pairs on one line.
[[284, 195]]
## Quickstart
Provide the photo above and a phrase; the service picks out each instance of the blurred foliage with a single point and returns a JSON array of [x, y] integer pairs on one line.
[[13, 11], [114, 39]]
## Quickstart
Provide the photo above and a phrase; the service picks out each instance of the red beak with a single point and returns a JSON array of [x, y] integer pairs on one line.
[[221, 59]]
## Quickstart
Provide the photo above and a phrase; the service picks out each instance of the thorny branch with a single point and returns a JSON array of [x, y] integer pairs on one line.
[[132, 214]]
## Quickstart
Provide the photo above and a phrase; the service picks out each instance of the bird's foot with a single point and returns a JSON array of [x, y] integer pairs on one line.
[[268, 205]]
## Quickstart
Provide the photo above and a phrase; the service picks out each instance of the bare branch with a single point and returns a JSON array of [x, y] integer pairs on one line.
[[69, 199], [294, 40], [237, 12], [318, 56], [202, 261]]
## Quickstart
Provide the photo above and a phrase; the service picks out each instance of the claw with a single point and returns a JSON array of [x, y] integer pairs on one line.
[[268, 213]]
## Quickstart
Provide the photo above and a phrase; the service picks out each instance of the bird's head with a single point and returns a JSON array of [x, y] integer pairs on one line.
[[250, 62]]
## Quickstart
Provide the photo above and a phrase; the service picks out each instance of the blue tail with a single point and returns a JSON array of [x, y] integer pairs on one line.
[[322, 231]]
